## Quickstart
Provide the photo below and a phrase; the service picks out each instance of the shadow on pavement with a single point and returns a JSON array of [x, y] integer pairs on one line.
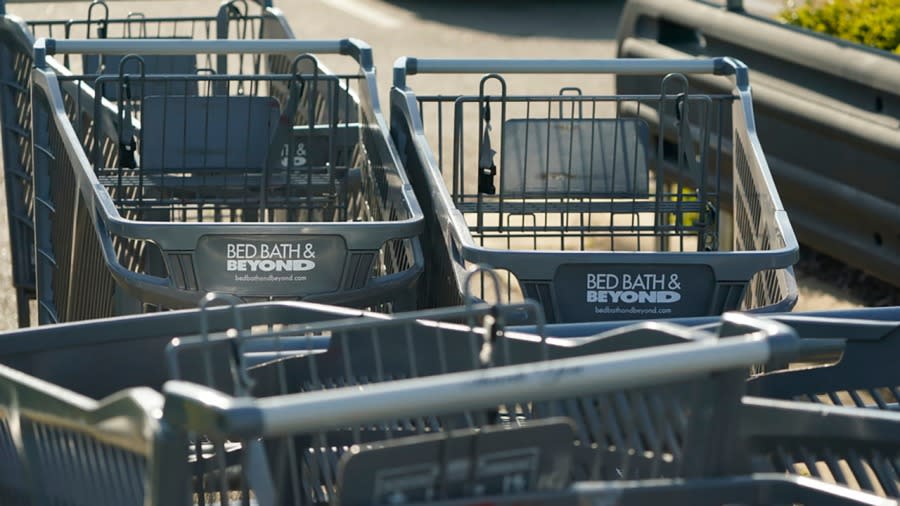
[[575, 19]]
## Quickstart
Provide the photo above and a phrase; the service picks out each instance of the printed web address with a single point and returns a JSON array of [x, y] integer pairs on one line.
[[269, 278], [632, 310]]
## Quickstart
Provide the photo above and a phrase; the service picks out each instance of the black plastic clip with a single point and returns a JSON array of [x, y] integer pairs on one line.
[[487, 170]]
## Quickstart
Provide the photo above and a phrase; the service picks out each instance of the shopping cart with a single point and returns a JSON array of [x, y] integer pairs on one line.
[[262, 186], [131, 448], [584, 209], [234, 19]]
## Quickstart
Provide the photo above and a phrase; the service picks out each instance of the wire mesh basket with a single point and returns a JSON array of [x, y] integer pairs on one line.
[[260, 185], [583, 208], [234, 19]]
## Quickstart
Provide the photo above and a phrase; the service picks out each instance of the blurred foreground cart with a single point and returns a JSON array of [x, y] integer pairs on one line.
[[503, 434]]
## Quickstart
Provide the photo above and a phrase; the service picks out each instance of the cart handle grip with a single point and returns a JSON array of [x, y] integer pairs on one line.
[[406, 66], [355, 48], [213, 413]]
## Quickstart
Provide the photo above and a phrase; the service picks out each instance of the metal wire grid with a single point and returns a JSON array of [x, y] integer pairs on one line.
[[193, 180], [234, 20], [591, 207], [58, 447], [336, 150], [846, 362], [579, 208]]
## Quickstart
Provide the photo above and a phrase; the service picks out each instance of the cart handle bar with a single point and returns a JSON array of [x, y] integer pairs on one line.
[[407, 65], [359, 50], [195, 407]]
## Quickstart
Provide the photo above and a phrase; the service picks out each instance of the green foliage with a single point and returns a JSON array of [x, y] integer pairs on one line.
[[874, 23]]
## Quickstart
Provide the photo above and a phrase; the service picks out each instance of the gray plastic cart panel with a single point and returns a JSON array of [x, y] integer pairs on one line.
[[599, 157], [190, 133], [153, 64], [492, 461], [271, 265], [632, 291], [312, 147]]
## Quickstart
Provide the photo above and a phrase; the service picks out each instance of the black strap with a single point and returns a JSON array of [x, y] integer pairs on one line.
[[127, 143], [281, 136], [486, 168]]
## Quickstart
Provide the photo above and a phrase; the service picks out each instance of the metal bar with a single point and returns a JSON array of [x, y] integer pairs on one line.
[[449, 393], [189, 47], [409, 66]]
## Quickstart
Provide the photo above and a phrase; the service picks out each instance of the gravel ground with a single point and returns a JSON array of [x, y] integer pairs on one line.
[[817, 269], [442, 28]]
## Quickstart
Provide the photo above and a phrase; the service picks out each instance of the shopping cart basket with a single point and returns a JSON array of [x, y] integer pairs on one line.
[[570, 194], [261, 186], [234, 19]]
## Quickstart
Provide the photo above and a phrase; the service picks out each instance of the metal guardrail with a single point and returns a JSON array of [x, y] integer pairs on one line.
[[827, 115]]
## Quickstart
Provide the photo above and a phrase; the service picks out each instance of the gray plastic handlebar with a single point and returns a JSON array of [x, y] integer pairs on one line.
[[358, 49], [406, 66]]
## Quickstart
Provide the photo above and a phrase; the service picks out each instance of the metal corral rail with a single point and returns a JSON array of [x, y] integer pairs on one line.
[[583, 211], [827, 111], [272, 185], [196, 445], [234, 19]]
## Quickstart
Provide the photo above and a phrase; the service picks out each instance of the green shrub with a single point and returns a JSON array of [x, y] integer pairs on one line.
[[874, 23]]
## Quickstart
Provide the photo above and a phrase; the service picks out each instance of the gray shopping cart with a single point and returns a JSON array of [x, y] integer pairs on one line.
[[260, 185], [234, 19], [568, 191]]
